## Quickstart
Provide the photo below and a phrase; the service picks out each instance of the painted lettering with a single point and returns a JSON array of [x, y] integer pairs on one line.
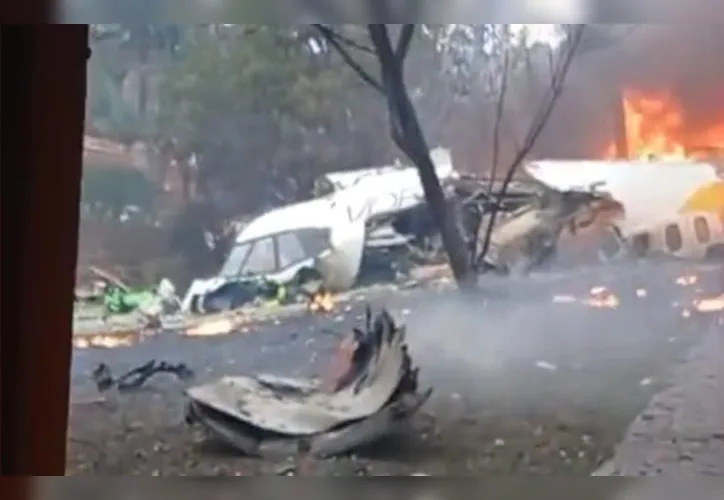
[[383, 204]]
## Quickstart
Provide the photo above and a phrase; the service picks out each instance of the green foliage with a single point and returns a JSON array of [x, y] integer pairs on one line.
[[249, 69], [117, 51], [261, 108], [108, 191]]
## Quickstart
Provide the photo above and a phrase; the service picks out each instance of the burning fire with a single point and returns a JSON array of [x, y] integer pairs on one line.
[[321, 302], [108, 340], [602, 297], [687, 280], [219, 324], [710, 305], [598, 297], [655, 127]]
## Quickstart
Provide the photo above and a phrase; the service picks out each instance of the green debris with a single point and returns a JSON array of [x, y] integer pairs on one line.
[[118, 301]]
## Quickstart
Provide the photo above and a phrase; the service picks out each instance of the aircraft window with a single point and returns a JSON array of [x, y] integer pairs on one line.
[[641, 244], [235, 259], [701, 228], [261, 259], [314, 241], [610, 245], [672, 234], [291, 250]]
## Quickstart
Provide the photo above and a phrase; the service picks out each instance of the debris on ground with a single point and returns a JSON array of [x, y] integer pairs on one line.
[[116, 297], [215, 324], [135, 378], [109, 313], [370, 390]]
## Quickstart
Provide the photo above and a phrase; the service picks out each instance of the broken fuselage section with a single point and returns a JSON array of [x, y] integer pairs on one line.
[[324, 241], [370, 391], [612, 210]]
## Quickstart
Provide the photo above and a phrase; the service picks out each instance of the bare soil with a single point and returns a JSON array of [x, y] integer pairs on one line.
[[140, 434]]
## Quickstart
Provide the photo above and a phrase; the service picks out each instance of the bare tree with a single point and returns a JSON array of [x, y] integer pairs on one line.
[[558, 72], [406, 131], [408, 135]]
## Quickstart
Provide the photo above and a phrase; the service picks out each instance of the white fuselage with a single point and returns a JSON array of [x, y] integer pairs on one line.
[[337, 223]]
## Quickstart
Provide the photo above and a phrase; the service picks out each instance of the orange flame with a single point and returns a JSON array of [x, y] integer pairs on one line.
[[106, 340], [601, 297], [656, 128], [222, 323], [322, 302]]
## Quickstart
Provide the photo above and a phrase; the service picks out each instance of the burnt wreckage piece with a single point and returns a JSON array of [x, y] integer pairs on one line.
[[135, 378], [372, 391]]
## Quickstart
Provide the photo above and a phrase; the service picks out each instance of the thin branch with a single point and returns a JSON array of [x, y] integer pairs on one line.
[[391, 72], [499, 111], [349, 41], [331, 36], [538, 123]]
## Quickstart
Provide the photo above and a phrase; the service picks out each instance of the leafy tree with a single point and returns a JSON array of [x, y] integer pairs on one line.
[[249, 115], [109, 191], [120, 50], [253, 114]]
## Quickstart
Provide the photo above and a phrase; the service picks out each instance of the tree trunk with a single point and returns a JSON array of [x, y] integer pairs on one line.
[[445, 218], [143, 82], [409, 137]]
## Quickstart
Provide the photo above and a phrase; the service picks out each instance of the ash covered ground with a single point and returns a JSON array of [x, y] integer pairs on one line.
[[522, 384]]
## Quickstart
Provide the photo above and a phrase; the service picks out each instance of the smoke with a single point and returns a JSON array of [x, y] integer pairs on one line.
[[681, 59], [515, 348], [678, 60]]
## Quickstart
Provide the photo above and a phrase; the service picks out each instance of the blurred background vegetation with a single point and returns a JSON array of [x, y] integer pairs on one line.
[[193, 128]]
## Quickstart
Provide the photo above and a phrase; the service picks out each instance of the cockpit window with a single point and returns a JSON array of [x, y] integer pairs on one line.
[[291, 250], [276, 252], [262, 259], [234, 261], [296, 246], [314, 241]]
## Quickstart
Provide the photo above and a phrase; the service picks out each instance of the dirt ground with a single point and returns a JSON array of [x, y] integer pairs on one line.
[[547, 390], [145, 438]]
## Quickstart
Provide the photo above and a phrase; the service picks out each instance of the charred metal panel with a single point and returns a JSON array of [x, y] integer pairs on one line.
[[374, 394]]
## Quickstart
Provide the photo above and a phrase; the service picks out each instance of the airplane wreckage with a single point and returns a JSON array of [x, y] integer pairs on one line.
[[610, 208], [370, 391], [376, 219]]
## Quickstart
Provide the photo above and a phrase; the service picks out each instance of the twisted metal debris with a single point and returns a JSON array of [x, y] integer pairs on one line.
[[370, 390]]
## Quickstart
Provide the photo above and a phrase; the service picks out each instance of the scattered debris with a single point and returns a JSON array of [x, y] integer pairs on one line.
[[123, 337], [603, 298], [370, 391], [687, 280], [135, 378], [116, 297], [710, 304], [215, 324]]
